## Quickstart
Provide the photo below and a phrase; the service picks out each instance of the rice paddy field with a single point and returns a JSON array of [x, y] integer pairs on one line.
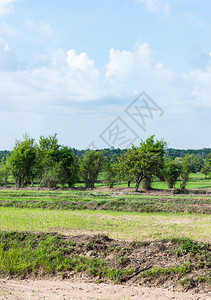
[[154, 238]]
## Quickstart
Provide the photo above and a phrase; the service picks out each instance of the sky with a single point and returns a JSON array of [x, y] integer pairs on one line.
[[106, 73]]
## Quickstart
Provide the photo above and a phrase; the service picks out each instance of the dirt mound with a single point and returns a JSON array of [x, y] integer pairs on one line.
[[180, 263]]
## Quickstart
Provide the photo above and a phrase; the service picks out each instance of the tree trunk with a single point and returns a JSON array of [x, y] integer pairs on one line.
[[137, 185], [146, 183]]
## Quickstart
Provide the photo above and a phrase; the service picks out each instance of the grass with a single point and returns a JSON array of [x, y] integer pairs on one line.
[[129, 226], [196, 181], [26, 253], [96, 200]]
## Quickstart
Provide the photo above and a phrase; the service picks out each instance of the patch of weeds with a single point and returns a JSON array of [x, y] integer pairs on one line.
[[205, 278], [188, 282], [160, 271], [187, 245]]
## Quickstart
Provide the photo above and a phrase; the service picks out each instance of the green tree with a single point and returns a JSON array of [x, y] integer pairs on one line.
[[157, 148], [50, 176], [90, 166], [4, 171], [185, 171], [206, 169], [23, 160], [146, 160], [110, 173], [124, 171], [171, 172], [47, 166], [195, 163], [68, 166]]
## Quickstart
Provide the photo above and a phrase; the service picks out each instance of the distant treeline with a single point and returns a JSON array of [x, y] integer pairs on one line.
[[4, 153], [169, 153], [173, 153]]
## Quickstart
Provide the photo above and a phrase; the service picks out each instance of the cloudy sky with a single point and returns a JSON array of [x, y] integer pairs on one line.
[[79, 68]]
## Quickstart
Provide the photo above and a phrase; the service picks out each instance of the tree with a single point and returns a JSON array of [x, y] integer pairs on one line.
[[4, 171], [145, 160], [90, 167], [47, 166], [124, 171], [171, 172], [206, 169], [50, 177], [22, 161], [110, 173], [195, 163], [158, 148], [68, 166], [185, 172]]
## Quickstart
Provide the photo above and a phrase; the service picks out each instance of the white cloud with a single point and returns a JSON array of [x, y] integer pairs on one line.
[[123, 63], [6, 6], [71, 77], [157, 6], [81, 63]]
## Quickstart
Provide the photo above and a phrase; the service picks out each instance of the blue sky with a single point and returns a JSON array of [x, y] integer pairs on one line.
[[73, 67]]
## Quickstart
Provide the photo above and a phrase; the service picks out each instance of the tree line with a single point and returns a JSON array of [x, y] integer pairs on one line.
[[49, 164]]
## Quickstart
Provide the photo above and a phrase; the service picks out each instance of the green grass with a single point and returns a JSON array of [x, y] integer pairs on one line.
[[26, 253], [96, 200], [196, 181], [130, 226]]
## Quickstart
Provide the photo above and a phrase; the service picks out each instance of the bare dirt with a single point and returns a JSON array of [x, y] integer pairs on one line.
[[65, 289]]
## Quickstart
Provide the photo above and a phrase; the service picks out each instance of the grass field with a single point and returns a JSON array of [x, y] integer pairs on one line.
[[196, 181], [129, 226], [159, 236], [116, 200]]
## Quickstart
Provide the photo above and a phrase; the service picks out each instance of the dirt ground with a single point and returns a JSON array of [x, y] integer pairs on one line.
[[64, 289]]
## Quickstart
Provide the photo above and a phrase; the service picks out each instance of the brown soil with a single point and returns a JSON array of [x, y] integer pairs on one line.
[[80, 289]]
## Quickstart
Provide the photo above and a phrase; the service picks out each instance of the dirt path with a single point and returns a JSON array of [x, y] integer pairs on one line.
[[56, 290]]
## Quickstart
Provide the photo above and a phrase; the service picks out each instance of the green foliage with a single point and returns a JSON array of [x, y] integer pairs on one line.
[[23, 160], [185, 172], [25, 253], [4, 172], [90, 166], [173, 153], [206, 170], [195, 163], [47, 166], [171, 172], [110, 174], [57, 164], [68, 166], [50, 176], [144, 161]]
